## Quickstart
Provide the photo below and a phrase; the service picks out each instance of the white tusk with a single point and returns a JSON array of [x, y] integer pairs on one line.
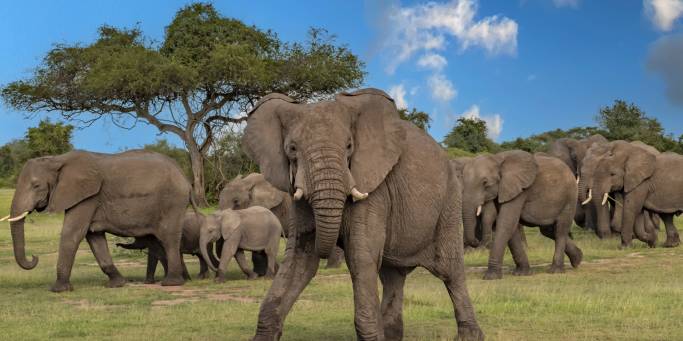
[[590, 197], [5, 218], [357, 195], [604, 198], [19, 217], [478, 210], [298, 194], [578, 178]]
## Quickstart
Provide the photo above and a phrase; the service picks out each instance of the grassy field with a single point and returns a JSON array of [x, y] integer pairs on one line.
[[634, 294]]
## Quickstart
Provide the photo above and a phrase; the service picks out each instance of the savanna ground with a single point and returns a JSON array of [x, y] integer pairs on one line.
[[634, 294]]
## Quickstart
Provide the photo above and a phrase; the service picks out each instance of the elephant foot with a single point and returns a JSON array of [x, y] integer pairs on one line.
[[172, 281], [61, 287], [203, 275], [116, 282], [556, 269], [576, 258], [604, 235], [220, 279], [625, 246], [672, 241], [469, 332], [252, 276], [149, 281], [523, 271], [493, 274]]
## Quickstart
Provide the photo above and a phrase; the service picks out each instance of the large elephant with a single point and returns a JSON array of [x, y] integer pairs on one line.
[[534, 190], [254, 190], [648, 181], [189, 245], [252, 229], [572, 152], [404, 211], [130, 194]]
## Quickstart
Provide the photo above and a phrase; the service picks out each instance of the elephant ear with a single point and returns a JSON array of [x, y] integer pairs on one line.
[[640, 165], [229, 222], [262, 193], [518, 171], [377, 136], [263, 138], [78, 179]]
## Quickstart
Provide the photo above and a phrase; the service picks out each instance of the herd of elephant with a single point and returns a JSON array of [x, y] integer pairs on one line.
[[348, 179]]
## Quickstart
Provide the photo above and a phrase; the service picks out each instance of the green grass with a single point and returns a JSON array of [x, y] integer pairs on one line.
[[634, 294]]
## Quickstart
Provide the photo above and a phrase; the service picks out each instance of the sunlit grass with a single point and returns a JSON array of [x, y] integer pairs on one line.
[[634, 294]]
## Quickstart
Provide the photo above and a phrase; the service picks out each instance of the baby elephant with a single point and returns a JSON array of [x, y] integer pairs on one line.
[[252, 229], [189, 245]]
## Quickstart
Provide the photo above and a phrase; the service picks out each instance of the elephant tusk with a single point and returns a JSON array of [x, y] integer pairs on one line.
[[298, 194], [478, 210], [22, 216], [604, 199], [5, 218], [578, 178], [590, 197], [357, 195]]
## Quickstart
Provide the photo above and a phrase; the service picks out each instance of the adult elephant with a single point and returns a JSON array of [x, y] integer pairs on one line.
[[254, 190], [532, 190], [572, 152], [404, 210], [648, 181], [131, 194]]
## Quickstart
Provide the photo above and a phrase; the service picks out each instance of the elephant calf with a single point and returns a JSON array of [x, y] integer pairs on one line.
[[189, 245], [534, 190], [252, 229]]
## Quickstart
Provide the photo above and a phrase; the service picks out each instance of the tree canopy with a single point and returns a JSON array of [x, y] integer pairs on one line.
[[470, 135], [207, 71], [419, 118]]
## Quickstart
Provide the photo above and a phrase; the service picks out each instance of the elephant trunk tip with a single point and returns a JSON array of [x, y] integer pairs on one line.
[[26, 265]]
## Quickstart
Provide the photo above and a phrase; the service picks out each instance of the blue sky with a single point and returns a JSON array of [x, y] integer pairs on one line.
[[525, 66]]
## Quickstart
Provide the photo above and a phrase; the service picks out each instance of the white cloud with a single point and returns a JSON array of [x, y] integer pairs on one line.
[[398, 93], [494, 123], [663, 13], [566, 3], [442, 88], [426, 27], [432, 61]]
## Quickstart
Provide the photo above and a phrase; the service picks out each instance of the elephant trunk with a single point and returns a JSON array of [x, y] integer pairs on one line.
[[469, 222], [204, 240], [327, 175], [582, 189], [603, 215], [18, 242]]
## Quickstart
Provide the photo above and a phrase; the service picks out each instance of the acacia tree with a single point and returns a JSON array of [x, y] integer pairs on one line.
[[206, 73]]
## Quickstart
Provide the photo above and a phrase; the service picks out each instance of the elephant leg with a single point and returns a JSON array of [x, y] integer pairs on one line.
[[260, 262], [507, 223], [298, 268], [186, 274], [672, 238], [229, 249], [571, 250], [633, 206], [203, 267], [618, 214], [271, 254], [655, 220], [335, 259], [152, 262], [170, 235], [516, 246], [393, 280], [580, 216], [99, 248], [76, 223], [244, 266]]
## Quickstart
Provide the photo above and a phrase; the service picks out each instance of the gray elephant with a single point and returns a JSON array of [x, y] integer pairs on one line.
[[534, 190], [572, 152], [253, 229], [648, 181], [254, 190], [189, 245], [365, 180], [130, 194]]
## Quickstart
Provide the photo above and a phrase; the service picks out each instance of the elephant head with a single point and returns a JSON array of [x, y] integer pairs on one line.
[[323, 152], [252, 190], [617, 166], [501, 177], [573, 151], [55, 183], [220, 224]]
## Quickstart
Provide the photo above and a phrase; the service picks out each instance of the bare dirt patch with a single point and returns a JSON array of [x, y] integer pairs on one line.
[[84, 304], [188, 295]]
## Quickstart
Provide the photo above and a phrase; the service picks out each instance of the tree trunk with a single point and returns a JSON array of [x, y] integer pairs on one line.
[[197, 162]]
